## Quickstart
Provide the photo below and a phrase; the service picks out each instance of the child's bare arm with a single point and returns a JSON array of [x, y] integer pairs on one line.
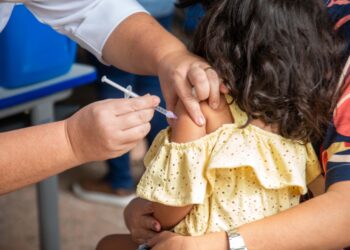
[[183, 130], [169, 216]]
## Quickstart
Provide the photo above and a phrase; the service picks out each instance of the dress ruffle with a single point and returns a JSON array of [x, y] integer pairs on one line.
[[179, 174], [174, 172]]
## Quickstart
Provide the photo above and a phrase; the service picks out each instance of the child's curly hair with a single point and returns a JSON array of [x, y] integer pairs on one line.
[[281, 60]]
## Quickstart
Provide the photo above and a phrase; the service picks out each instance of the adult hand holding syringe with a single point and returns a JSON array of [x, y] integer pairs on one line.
[[128, 92]]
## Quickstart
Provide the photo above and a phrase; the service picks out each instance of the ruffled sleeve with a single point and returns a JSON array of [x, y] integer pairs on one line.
[[276, 162], [313, 166], [175, 172]]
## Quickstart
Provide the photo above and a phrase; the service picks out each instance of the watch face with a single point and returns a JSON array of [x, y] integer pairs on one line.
[[236, 242]]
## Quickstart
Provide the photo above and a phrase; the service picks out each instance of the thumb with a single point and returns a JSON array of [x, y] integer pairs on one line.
[[159, 238], [154, 240]]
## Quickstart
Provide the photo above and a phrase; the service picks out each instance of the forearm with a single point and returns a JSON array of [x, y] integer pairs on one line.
[[162, 212], [138, 45], [321, 223], [32, 154]]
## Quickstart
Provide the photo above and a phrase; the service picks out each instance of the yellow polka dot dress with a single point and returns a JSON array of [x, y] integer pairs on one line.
[[233, 176]]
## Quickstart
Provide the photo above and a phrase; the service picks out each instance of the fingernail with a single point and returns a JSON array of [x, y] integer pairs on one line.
[[200, 120], [155, 226], [155, 100]]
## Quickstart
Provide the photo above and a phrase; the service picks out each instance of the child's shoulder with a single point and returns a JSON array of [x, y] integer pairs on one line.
[[184, 129], [217, 117]]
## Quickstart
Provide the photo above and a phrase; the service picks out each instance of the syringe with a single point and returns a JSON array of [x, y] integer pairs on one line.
[[161, 110]]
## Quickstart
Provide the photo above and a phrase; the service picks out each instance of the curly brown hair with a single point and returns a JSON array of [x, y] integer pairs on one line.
[[281, 60]]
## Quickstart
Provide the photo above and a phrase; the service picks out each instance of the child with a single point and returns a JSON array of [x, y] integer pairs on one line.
[[280, 61]]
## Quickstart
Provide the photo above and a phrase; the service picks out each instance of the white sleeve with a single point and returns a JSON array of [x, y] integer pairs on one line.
[[88, 22]]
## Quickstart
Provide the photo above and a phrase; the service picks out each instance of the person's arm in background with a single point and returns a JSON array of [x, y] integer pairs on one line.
[[122, 34], [318, 224], [100, 131], [321, 223]]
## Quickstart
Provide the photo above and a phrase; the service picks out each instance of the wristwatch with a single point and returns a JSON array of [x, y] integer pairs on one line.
[[235, 240]]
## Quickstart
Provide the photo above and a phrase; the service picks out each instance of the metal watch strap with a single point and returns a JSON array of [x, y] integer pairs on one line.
[[235, 241]]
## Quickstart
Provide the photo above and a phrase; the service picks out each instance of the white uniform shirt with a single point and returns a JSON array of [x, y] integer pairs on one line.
[[88, 22]]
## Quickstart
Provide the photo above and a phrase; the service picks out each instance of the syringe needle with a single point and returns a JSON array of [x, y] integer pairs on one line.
[[165, 112]]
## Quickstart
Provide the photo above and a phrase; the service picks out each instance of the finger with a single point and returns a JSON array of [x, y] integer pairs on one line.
[[199, 80], [122, 149], [134, 134], [144, 236], [123, 106], [184, 91], [134, 119], [149, 222], [223, 89], [158, 238], [191, 103], [214, 95], [193, 108], [151, 242]]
